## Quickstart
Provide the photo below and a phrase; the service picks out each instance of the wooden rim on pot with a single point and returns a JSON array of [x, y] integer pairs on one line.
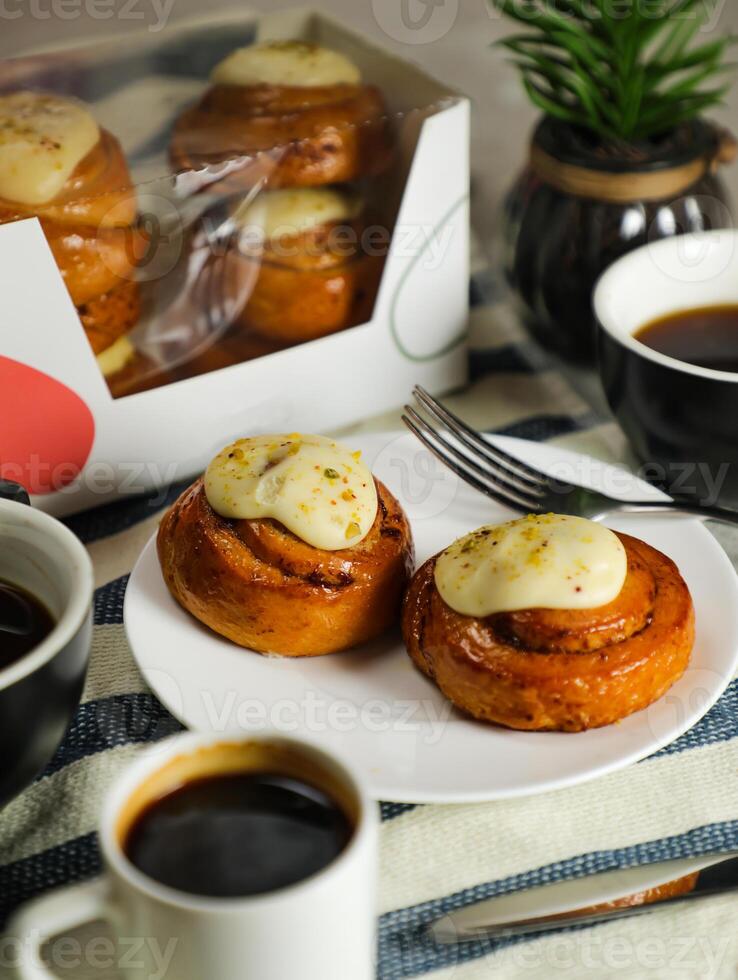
[[627, 188]]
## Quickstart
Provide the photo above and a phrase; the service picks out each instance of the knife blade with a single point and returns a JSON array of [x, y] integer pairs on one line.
[[570, 902]]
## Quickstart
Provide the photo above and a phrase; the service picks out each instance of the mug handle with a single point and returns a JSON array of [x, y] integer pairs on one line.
[[10, 490], [50, 915]]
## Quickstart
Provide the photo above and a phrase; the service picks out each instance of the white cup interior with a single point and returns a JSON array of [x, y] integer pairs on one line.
[[681, 273], [40, 555], [35, 565]]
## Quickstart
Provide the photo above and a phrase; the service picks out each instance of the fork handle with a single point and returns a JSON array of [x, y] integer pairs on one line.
[[680, 507]]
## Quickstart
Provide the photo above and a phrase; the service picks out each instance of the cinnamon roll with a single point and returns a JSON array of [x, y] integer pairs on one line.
[[550, 623], [56, 164], [288, 545], [304, 259], [297, 112]]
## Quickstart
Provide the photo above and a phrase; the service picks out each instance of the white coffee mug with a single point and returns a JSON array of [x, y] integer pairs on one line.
[[321, 928]]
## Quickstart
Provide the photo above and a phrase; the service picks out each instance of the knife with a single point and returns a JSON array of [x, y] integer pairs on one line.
[[567, 903]]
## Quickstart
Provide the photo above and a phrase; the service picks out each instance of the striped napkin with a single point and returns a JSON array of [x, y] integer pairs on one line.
[[681, 802]]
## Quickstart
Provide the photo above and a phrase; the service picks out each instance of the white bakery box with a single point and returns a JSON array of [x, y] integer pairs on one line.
[[74, 446]]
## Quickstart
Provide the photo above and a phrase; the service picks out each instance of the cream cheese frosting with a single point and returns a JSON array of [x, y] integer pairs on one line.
[[115, 357], [550, 561], [292, 211], [294, 63], [43, 138], [314, 486]]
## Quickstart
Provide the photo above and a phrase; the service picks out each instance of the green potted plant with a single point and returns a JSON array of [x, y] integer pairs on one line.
[[623, 154]]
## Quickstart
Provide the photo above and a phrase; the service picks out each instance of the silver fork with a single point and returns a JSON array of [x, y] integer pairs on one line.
[[515, 484]]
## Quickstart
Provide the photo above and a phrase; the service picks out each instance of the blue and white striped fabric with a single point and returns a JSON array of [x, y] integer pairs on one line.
[[681, 802]]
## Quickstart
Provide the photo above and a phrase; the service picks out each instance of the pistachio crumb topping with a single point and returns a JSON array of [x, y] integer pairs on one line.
[[280, 477], [550, 561]]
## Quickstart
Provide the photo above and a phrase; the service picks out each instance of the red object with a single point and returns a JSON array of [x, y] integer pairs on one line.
[[46, 429]]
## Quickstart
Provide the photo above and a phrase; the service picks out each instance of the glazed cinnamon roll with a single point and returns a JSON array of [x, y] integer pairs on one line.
[[305, 264], [550, 623], [298, 112], [56, 164], [288, 545]]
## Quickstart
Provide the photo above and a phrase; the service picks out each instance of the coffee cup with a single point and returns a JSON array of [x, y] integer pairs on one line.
[[40, 690], [320, 927]]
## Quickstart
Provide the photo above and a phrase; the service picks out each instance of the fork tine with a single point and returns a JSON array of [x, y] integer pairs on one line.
[[528, 475], [487, 474], [501, 496]]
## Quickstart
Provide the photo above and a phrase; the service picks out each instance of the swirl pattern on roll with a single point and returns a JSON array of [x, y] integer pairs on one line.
[[259, 585], [292, 136], [553, 669]]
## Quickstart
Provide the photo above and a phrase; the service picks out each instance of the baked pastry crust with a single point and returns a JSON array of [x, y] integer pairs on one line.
[[91, 230], [298, 136], [109, 316], [567, 670], [90, 224], [311, 286], [260, 586], [98, 192], [93, 261]]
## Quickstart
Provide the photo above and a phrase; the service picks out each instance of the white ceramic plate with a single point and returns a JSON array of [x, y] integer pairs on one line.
[[391, 720]]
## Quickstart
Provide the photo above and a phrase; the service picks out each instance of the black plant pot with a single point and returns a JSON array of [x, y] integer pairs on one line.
[[574, 211]]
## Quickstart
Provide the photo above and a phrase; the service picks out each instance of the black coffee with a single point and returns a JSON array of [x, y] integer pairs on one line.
[[235, 835], [24, 622], [707, 337]]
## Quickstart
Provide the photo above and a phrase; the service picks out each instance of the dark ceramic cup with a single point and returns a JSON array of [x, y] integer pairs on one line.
[[681, 419], [40, 692]]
